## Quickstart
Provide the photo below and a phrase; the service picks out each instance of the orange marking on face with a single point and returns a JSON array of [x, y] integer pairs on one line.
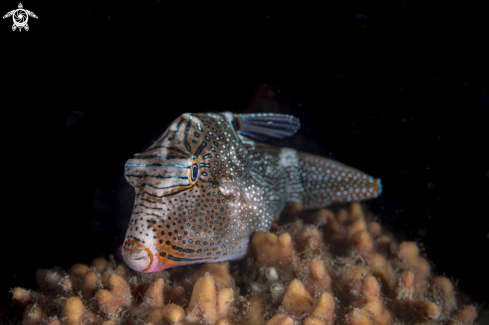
[[150, 254], [131, 245], [166, 263], [170, 263], [188, 187]]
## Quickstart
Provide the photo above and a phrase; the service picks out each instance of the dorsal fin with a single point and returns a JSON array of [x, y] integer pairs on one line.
[[263, 126]]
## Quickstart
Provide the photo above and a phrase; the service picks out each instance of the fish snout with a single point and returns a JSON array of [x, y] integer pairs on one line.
[[137, 257], [138, 261]]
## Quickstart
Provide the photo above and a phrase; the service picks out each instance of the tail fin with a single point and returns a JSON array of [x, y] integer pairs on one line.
[[324, 181]]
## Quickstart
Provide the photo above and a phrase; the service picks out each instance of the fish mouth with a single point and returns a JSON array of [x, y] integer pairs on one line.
[[139, 261]]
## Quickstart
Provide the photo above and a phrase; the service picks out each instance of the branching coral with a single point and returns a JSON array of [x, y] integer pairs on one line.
[[320, 269]]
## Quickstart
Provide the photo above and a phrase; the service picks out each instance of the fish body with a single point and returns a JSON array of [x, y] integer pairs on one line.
[[206, 185]]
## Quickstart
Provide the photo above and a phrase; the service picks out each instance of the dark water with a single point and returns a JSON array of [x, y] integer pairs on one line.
[[398, 90]]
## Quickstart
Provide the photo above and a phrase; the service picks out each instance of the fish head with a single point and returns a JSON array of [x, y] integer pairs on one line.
[[179, 204]]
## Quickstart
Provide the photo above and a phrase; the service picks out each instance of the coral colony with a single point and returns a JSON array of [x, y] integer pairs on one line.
[[320, 268]]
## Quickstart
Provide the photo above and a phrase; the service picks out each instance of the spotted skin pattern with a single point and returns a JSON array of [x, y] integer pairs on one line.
[[204, 187]]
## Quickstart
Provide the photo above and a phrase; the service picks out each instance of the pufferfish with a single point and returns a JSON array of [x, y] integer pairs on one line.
[[211, 181]]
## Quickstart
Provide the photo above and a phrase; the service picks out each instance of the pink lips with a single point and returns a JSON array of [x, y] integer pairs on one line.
[[138, 261]]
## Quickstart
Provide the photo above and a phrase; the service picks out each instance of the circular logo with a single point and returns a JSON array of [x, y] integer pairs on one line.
[[20, 17]]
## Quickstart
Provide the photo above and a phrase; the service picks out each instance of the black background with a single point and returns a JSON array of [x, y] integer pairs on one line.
[[397, 89]]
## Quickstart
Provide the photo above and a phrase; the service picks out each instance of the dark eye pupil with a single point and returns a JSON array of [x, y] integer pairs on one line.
[[195, 172]]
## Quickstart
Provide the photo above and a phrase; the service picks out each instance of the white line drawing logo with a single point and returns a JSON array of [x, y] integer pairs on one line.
[[20, 17]]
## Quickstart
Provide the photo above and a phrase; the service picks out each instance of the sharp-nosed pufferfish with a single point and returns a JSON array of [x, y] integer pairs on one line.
[[210, 182]]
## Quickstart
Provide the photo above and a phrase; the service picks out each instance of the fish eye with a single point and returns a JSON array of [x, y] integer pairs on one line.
[[194, 172]]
